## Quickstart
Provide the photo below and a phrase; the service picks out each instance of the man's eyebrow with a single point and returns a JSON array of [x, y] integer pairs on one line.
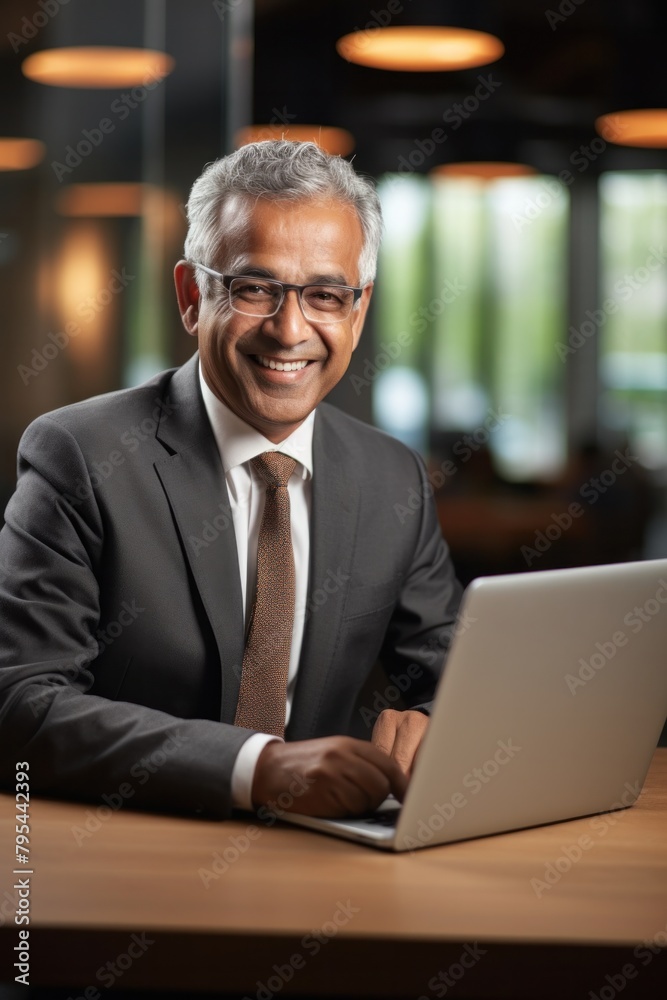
[[239, 267], [253, 272], [329, 279]]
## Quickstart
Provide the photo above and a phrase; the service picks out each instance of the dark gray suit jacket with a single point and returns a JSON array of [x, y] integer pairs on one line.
[[120, 598]]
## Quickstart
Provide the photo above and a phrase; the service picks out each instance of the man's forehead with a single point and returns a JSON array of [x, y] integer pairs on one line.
[[239, 211], [250, 224]]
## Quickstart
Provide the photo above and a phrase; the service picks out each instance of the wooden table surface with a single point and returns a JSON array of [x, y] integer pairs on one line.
[[535, 912]]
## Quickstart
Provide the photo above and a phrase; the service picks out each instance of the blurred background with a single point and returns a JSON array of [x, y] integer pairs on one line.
[[518, 331]]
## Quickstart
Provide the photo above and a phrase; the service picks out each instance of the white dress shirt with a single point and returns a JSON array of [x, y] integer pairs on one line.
[[238, 443]]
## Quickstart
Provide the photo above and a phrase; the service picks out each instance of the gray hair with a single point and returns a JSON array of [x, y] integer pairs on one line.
[[278, 169]]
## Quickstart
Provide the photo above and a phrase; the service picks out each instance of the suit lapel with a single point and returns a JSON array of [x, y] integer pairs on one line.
[[333, 526], [192, 477]]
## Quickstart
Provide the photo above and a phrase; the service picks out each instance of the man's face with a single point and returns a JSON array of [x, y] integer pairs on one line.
[[300, 242]]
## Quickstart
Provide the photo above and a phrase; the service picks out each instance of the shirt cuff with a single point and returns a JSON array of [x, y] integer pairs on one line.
[[243, 771]]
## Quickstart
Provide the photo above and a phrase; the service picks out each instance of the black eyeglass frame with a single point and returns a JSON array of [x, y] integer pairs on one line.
[[285, 287]]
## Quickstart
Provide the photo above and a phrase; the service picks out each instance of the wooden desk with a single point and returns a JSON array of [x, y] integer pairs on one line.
[[389, 924]]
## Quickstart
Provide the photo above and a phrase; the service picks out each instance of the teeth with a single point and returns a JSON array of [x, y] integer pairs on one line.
[[286, 366]]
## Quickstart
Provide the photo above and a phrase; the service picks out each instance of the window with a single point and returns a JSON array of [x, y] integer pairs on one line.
[[474, 279], [633, 311]]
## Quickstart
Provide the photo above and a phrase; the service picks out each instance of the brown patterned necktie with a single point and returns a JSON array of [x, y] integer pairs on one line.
[[263, 691]]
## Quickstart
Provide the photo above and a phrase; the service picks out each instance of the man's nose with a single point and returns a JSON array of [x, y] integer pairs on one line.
[[288, 325]]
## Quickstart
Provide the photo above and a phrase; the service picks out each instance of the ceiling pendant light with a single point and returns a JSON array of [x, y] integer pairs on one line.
[[336, 141], [20, 154], [99, 199], [420, 49], [644, 127], [97, 66], [483, 170]]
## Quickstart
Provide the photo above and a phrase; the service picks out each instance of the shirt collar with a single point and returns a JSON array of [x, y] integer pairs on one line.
[[238, 442]]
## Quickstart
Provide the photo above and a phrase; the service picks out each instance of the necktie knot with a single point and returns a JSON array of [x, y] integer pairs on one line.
[[274, 467]]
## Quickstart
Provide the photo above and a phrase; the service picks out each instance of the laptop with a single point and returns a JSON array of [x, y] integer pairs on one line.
[[550, 707]]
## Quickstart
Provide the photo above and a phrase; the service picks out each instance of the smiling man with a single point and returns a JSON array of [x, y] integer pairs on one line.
[[316, 242], [229, 684]]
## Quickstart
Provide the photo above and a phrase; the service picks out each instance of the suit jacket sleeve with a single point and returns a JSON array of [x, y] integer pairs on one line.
[[424, 619], [79, 744]]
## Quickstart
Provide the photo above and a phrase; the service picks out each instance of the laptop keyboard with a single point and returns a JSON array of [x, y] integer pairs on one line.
[[387, 818]]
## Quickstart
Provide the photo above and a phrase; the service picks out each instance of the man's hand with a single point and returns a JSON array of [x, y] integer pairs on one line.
[[399, 734], [333, 776]]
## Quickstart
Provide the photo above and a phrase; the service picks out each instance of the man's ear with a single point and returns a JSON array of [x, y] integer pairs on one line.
[[359, 315], [188, 296]]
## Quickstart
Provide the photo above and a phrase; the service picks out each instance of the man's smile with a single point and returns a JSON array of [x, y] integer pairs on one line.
[[281, 371], [286, 366]]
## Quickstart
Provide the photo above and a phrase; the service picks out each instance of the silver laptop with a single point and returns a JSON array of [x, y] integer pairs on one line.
[[550, 707]]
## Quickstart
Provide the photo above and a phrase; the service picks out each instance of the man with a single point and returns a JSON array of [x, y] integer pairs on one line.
[[193, 569]]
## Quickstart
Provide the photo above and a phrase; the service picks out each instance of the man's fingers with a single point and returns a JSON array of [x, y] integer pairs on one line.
[[384, 730], [408, 739], [342, 776], [398, 781], [399, 734]]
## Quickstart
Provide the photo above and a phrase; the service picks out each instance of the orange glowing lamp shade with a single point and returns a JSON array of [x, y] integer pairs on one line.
[[20, 154], [420, 49], [97, 66], [336, 141], [645, 127], [122, 199], [486, 170]]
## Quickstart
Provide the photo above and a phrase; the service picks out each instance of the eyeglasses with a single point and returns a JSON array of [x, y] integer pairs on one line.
[[264, 297]]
